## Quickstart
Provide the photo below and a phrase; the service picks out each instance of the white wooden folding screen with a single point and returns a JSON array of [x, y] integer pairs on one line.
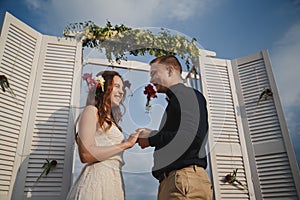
[[225, 133], [275, 173], [44, 72], [245, 135]]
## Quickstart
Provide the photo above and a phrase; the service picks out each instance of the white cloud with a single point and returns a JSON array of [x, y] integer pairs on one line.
[[286, 60], [183, 10], [99, 11], [33, 4], [133, 13]]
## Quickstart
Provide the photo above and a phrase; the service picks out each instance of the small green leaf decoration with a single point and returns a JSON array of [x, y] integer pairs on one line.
[[47, 166], [231, 178], [5, 85], [119, 40], [265, 93]]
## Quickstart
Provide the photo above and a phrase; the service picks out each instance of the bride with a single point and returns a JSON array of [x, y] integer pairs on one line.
[[101, 142]]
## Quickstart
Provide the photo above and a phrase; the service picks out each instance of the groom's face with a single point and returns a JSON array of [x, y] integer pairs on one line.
[[159, 75]]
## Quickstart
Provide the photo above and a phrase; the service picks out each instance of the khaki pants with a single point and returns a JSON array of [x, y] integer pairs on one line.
[[188, 183]]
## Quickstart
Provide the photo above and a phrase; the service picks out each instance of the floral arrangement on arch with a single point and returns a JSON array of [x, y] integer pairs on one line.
[[118, 40]]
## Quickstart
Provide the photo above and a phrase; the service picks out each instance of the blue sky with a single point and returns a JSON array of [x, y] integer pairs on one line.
[[230, 28]]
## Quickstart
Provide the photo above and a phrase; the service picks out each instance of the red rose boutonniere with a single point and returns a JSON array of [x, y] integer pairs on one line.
[[150, 92]]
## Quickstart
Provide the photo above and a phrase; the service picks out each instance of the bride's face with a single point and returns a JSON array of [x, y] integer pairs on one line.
[[117, 92]]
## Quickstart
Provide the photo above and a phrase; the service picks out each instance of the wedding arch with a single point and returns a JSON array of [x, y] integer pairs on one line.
[[219, 81], [118, 40]]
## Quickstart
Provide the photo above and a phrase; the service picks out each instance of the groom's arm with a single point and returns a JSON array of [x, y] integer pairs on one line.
[[187, 128]]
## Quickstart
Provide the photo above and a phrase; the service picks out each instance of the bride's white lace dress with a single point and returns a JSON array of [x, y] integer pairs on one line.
[[102, 180]]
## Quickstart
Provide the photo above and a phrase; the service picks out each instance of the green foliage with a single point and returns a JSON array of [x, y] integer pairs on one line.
[[47, 166], [265, 93], [5, 85], [116, 41]]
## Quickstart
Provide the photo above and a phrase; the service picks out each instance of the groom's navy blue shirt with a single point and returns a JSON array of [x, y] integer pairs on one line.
[[180, 140]]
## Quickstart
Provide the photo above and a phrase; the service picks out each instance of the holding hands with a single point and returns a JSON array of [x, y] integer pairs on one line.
[[132, 139], [143, 137], [140, 136]]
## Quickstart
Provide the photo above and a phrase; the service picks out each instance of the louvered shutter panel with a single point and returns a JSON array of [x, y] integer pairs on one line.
[[53, 94], [273, 164], [19, 52], [226, 144]]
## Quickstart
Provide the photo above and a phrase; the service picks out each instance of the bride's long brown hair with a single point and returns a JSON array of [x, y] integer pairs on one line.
[[107, 115]]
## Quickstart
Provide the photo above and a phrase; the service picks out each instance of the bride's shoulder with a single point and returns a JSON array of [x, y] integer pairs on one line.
[[90, 108], [90, 111]]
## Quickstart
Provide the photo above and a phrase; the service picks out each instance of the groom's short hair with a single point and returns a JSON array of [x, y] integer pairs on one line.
[[168, 60]]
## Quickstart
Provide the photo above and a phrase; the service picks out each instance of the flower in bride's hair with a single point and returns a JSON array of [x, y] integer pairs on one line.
[[97, 82], [100, 82], [87, 77]]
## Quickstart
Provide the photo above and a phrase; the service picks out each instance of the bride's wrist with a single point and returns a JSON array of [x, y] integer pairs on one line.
[[125, 145]]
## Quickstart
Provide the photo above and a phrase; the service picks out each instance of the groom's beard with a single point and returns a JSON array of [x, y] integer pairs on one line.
[[160, 88]]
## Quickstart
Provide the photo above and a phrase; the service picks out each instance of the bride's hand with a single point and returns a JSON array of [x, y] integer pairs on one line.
[[132, 139]]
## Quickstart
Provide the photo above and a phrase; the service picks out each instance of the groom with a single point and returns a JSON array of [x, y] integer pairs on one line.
[[179, 157]]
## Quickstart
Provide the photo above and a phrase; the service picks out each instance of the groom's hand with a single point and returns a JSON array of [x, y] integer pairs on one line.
[[143, 142], [143, 137]]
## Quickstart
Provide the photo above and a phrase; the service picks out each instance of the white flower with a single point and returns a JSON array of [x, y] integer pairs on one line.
[[100, 80]]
